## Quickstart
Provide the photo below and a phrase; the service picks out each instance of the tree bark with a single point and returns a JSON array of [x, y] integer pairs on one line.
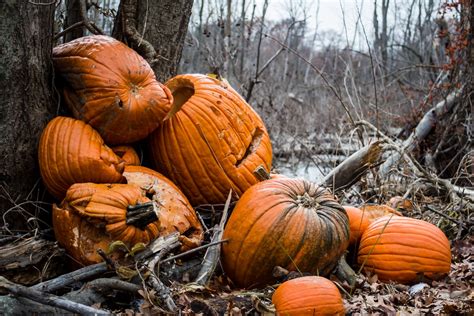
[[26, 104], [164, 25]]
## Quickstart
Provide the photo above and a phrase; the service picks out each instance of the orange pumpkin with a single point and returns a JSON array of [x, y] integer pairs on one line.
[[310, 295], [212, 142], [175, 212], [94, 215], [111, 87], [284, 222], [128, 154], [360, 219], [404, 249], [71, 151]]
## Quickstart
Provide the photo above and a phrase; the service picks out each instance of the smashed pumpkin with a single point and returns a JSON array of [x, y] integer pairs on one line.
[[291, 223], [111, 87], [92, 216], [308, 296], [211, 142], [71, 151], [404, 250]]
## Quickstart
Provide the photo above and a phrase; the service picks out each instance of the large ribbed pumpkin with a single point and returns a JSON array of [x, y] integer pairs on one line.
[[404, 249], [71, 151], [175, 211], [291, 223], [212, 142], [308, 296], [360, 219], [111, 87]]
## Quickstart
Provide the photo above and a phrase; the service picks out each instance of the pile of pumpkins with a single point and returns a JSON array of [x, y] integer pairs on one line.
[[204, 140]]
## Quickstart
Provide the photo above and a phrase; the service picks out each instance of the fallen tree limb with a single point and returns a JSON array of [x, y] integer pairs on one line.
[[422, 130], [354, 167], [69, 278], [212, 255], [49, 299]]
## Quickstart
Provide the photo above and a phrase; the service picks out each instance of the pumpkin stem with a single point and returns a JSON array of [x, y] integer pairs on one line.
[[261, 173], [140, 215], [306, 200], [344, 272]]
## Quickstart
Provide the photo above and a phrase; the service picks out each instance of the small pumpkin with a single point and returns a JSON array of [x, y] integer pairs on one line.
[[212, 141], [128, 154], [111, 87], [360, 219], [310, 295], [291, 223], [404, 249], [175, 211], [71, 151]]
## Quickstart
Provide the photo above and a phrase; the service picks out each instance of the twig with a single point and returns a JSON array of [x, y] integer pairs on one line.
[[321, 74], [68, 29], [213, 253], [88, 24], [69, 278], [183, 254], [49, 299]]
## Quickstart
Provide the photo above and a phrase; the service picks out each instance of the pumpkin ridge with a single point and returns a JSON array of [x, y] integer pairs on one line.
[[440, 255], [248, 229], [269, 238], [375, 229], [205, 172], [428, 238]]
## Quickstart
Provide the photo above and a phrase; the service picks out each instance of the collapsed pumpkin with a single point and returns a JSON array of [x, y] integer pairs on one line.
[[111, 87], [94, 215], [128, 154], [71, 151], [212, 141], [284, 222], [175, 212], [404, 250], [310, 295], [360, 219]]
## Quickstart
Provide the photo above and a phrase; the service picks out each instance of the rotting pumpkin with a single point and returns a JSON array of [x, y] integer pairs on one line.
[[92, 216], [211, 142], [291, 223], [308, 296], [404, 250], [128, 154], [71, 151], [111, 87]]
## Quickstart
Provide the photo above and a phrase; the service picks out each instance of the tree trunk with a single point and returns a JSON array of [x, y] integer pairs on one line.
[[73, 15], [26, 104], [164, 25]]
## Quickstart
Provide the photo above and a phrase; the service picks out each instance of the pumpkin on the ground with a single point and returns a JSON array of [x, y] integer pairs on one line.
[[111, 87], [404, 250], [71, 151], [211, 142], [175, 213], [291, 223], [128, 154], [308, 296], [360, 218], [92, 216]]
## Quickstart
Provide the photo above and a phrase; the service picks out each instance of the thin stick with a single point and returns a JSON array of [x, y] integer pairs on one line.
[[213, 253], [194, 250]]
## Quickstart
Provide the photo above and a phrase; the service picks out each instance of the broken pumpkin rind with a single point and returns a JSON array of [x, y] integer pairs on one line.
[[92, 216]]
